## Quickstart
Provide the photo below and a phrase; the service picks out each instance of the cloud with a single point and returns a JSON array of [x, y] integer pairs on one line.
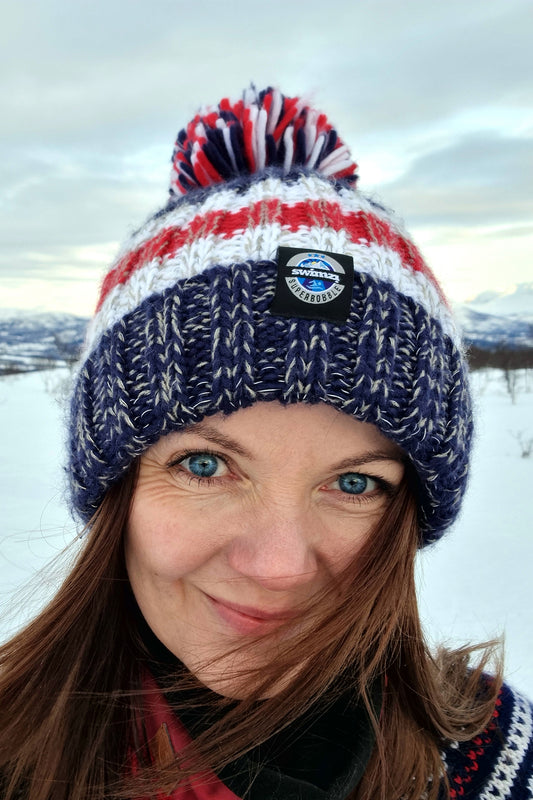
[[481, 179], [510, 232], [51, 200], [93, 93], [117, 71], [432, 64]]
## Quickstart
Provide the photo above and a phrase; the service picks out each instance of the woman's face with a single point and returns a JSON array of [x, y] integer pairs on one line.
[[238, 521]]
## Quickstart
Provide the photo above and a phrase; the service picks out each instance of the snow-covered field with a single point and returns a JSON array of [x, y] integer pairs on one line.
[[474, 585]]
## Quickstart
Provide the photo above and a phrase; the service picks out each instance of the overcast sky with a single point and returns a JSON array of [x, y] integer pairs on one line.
[[435, 100]]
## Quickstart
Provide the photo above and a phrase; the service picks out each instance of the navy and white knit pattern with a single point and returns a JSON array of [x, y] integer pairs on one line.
[[183, 327], [497, 764]]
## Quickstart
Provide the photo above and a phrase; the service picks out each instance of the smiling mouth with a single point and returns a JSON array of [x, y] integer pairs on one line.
[[246, 619]]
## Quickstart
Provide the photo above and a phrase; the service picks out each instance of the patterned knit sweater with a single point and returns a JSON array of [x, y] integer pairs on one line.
[[497, 764]]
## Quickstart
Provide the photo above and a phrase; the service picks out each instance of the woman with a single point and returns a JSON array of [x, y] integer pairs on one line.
[[271, 415]]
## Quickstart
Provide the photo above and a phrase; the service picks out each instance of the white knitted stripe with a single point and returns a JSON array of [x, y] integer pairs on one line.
[[261, 243], [306, 189], [511, 757]]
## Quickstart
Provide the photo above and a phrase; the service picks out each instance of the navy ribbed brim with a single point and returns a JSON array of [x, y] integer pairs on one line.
[[209, 344]]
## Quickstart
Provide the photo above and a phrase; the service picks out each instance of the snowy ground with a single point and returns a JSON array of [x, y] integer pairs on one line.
[[474, 585]]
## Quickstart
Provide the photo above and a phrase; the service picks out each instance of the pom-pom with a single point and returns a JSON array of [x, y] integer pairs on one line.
[[263, 129]]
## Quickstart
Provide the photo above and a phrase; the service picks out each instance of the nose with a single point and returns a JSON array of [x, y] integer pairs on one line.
[[276, 549]]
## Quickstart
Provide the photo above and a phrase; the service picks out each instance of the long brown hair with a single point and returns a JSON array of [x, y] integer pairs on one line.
[[70, 683]]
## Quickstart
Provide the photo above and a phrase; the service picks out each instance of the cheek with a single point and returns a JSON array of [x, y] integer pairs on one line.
[[343, 542], [342, 555], [166, 546]]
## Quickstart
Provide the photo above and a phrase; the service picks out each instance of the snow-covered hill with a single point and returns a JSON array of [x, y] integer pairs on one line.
[[30, 341], [515, 302], [499, 319], [491, 331]]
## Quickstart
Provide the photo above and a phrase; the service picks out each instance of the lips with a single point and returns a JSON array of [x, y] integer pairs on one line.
[[247, 619]]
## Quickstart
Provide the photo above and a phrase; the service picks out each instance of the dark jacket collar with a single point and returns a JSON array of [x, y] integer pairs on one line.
[[321, 756]]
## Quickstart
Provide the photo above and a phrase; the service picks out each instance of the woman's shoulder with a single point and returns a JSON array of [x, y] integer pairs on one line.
[[497, 764]]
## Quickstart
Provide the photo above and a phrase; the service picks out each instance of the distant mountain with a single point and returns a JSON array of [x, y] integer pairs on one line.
[[30, 340], [516, 302], [491, 331], [499, 319]]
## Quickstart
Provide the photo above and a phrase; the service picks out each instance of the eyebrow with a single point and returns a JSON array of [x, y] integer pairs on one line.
[[212, 434], [368, 458]]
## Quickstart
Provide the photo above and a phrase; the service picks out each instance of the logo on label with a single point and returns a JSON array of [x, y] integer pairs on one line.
[[313, 284], [314, 278]]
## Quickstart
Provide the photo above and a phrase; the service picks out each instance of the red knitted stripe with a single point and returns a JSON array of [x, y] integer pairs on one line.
[[360, 226]]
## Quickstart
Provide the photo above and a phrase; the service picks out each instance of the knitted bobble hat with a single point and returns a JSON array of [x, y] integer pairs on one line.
[[269, 276]]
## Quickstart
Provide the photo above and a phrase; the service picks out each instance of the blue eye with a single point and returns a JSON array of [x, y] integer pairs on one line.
[[203, 465], [355, 483]]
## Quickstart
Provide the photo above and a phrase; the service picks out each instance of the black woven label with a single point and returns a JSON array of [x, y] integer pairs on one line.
[[313, 284]]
